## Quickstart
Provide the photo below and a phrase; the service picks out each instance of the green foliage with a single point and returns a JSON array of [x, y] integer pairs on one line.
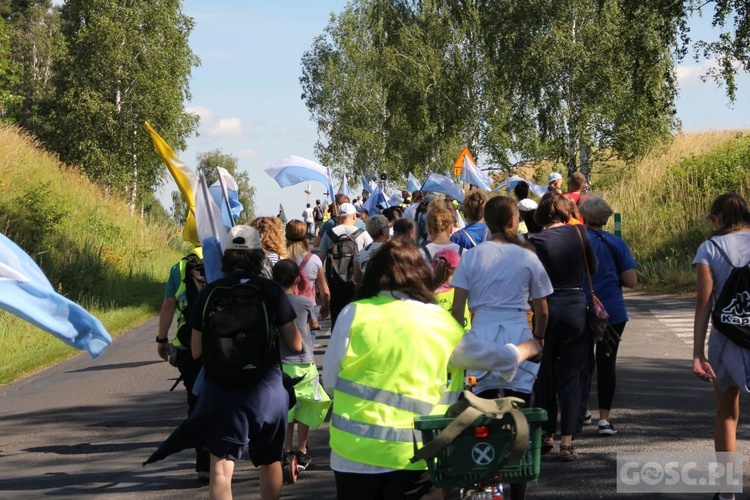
[[207, 164], [125, 63], [722, 171], [89, 248]]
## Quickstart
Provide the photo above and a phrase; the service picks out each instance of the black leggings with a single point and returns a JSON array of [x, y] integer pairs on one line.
[[606, 376], [564, 362]]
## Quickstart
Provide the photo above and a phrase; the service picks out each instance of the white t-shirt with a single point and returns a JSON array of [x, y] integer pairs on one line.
[[307, 213], [434, 248], [501, 275]]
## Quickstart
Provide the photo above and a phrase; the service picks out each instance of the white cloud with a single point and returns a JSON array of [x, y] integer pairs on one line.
[[226, 127], [689, 75], [205, 113]]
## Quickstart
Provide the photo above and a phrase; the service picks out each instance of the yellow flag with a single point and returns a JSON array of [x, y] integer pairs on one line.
[[186, 181]]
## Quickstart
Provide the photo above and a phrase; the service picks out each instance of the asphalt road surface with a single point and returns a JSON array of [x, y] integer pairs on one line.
[[82, 428]]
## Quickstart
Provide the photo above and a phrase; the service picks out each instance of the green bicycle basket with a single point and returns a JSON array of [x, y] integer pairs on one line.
[[480, 452]]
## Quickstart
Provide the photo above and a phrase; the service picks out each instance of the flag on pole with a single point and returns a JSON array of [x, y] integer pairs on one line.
[[368, 185], [186, 181], [292, 170], [470, 173], [512, 181], [26, 292], [225, 194], [210, 230], [412, 184], [282, 213], [443, 184], [344, 188], [375, 199]]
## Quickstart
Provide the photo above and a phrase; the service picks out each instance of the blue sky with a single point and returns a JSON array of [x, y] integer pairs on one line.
[[248, 95]]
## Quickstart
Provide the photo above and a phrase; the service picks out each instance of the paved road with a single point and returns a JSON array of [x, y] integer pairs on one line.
[[81, 429]]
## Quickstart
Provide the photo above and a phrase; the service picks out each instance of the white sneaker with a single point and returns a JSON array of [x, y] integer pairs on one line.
[[587, 419], [606, 428]]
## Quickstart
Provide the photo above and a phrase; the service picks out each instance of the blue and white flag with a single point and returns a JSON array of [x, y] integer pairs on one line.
[[412, 184], [26, 292], [292, 170], [368, 185], [512, 181], [470, 173], [225, 194], [211, 231], [375, 199], [344, 188], [437, 183]]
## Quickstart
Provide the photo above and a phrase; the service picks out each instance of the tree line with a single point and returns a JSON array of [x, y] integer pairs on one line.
[[403, 85], [85, 76]]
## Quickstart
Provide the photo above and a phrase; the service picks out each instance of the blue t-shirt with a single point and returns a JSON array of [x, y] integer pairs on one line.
[[478, 232], [303, 308], [612, 263], [173, 283]]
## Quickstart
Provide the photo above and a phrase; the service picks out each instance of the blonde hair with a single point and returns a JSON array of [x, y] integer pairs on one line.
[[296, 239], [441, 217], [271, 230]]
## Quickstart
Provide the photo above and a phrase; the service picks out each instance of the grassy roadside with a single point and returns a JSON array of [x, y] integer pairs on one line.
[[89, 247]]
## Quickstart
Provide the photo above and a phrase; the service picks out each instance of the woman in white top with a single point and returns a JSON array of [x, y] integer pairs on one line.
[[498, 278], [298, 249], [441, 220], [728, 364]]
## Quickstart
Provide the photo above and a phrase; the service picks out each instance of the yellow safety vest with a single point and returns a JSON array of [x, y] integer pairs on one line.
[[456, 376], [394, 370]]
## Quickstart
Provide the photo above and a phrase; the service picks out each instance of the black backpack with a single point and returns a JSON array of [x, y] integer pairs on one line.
[[239, 344], [195, 281], [340, 260], [317, 213], [731, 311]]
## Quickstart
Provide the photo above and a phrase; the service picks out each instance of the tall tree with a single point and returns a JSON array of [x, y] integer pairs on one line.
[[127, 61], [37, 42], [207, 163]]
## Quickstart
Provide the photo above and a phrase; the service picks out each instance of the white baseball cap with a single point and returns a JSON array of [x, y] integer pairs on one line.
[[346, 209], [244, 237]]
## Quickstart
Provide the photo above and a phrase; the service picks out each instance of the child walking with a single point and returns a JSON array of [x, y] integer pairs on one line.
[[312, 401]]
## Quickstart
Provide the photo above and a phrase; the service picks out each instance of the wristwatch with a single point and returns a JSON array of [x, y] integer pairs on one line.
[[160, 340]]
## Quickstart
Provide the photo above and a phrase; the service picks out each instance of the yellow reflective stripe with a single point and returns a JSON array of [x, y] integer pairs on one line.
[[372, 431], [383, 396]]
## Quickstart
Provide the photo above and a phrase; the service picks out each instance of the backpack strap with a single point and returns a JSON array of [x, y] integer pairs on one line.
[[609, 247], [723, 254], [426, 252], [305, 261], [466, 233]]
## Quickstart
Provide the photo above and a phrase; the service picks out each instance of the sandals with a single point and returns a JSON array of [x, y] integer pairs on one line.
[[567, 453], [548, 442]]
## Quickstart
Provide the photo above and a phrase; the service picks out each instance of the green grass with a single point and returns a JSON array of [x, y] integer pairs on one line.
[[87, 244]]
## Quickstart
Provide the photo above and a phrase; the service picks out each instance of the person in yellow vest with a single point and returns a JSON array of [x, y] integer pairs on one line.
[[386, 364], [176, 300]]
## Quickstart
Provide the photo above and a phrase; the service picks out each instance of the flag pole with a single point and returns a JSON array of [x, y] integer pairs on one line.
[[225, 195]]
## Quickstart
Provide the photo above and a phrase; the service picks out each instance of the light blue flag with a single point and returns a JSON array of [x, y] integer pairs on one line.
[[211, 231], [412, 184], [375, 199], [437, 183], [225, 194], [26, 292], [470, 173], [344, 189], [368, 185], [514, 180], [292, 170]]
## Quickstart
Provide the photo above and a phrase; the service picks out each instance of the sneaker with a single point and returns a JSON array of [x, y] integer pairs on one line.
[[606, 428], [587, 419], [303, 459]]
